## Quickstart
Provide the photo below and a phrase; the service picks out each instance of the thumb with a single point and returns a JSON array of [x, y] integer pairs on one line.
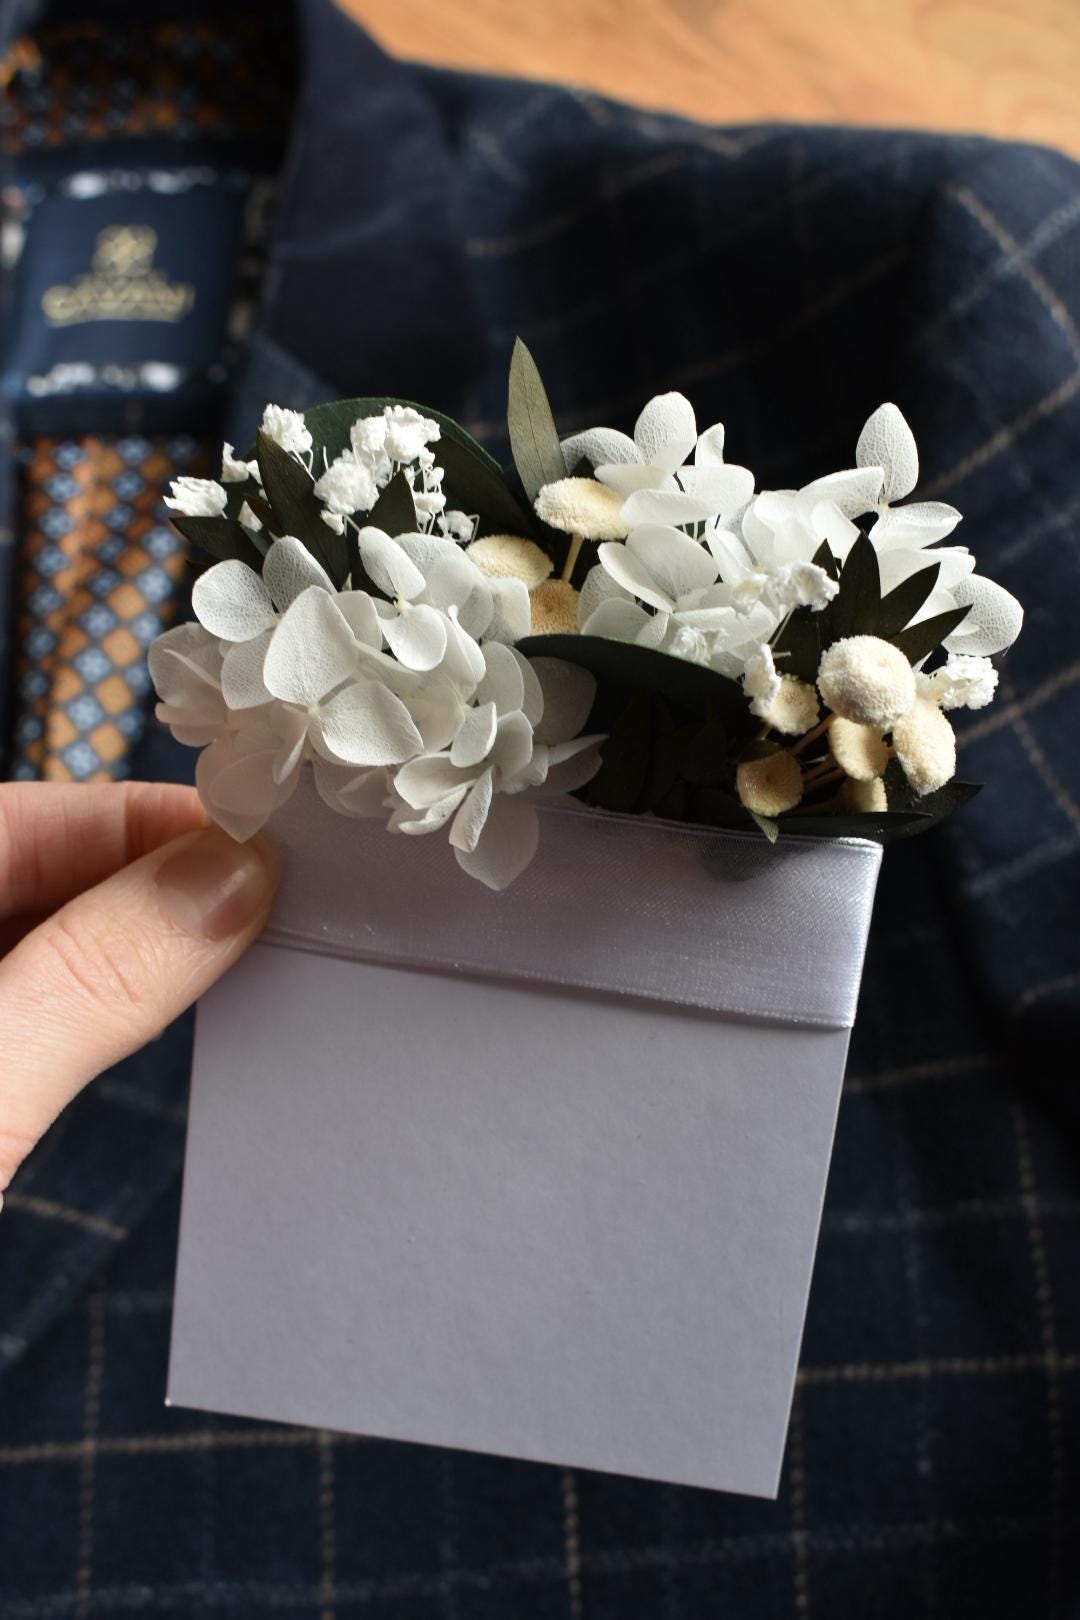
[[110, 969]]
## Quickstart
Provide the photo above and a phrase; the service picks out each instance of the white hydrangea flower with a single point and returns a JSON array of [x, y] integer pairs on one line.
[[643, 469], [287, 429], [761, 680], [185, 667], [348, 485], [962, 682], [196, 497], [252, 769], [493, 831]]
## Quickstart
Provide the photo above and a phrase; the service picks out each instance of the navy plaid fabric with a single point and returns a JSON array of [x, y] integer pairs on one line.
[[789, 280]]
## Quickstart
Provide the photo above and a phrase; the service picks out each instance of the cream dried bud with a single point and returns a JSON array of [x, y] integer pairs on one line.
[[864, 796], [792, 710], [866, 680], [925, 745], [510, 556], [860, 751], [771, 785], [583, 506], [553, 608]]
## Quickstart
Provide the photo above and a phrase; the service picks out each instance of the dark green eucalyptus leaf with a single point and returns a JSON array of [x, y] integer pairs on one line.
[[882, 826], [264, 512], [473, 486], [297, 509], [854, 609], [625, 753], [919, 640], [534, 438], [395, 510], [824, 558], [221, 539], [901, 604], [930, 807], [621, 666], [796, 644]]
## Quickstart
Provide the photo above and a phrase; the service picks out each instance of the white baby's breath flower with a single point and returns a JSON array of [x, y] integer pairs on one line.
[[962, 682], [347, 485], [761, 679], [248, 518], [234, 471], [407, 433], [335, 521], [458, 525], [866, 679], [196, 497], [802, 584], [367, 437], [287, 429]]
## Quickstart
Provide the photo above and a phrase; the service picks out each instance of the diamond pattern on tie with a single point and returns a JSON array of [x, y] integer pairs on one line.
[[99, 577]]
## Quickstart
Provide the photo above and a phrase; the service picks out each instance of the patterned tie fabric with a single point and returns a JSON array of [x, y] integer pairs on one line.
[[101, 571], [99, 577]]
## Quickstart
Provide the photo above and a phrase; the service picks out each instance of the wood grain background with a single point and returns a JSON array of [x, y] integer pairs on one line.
[[1000, 67]]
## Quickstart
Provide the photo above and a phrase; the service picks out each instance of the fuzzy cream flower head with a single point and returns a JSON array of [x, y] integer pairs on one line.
[[510, 556], [583, 506], [864, 796], [925, 745], [860, 751], [865, 679], [553, 607], [771, 785], [793, 710]]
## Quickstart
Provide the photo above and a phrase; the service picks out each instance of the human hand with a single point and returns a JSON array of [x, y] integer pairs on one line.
[[118, 908]]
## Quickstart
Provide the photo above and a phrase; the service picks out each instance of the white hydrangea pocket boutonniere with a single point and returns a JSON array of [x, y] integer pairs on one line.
[[442, 641]]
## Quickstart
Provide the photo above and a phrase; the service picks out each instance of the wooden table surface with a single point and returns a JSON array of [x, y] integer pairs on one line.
[[1000, 67]]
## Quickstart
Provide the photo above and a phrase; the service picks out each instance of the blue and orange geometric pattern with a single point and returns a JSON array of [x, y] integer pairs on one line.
[[100, 575]]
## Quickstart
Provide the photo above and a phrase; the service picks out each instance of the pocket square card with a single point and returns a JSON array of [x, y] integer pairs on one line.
[[512, 1132]]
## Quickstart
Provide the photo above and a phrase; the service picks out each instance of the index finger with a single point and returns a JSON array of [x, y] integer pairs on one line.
[[58, 839]]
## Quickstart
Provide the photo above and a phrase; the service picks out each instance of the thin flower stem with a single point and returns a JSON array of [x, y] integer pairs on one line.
[[571, 557], [811, 736]]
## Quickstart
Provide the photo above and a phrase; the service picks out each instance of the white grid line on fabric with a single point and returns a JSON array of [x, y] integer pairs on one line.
[[1044, 1295], [1049, 987], [1004, 437], [327, 1526], [95, 1374], [128, 1096], [48, 1210], [571, 1527], [1027, 704], [1015, 257], [851, 1540], [1037, 758], [1060, 520], [1015, 870], [913, 1073]]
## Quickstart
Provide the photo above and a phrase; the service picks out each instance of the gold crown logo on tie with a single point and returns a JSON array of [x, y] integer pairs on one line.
[[122, 284]]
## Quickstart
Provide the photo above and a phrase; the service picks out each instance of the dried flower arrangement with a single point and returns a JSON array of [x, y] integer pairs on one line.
[[446, 640]]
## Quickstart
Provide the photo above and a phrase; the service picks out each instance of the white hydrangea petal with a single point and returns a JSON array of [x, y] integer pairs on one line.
[[231, 601], [676, 563], [291, 752], [289, 569], [920, 524], [365, 724], [503, 684], [625, 480], [887, 442], [570, 766], [569, 692], [709, 451], [666, 431], [242, 684], [463, 661], [853, 492], [469, 822], [993, 623], [725, 488], [532, 701], [475, 735], [598, 586], [453, 580], [617, 620], [600, 447], [827, 522], [418, 822], [508, 843], [512, 749], [430, 779], [436, 706], [311, 651], [512, 616], [360, 614], [238, 790], [626, 570], [417, 637], [351, 792], [185, 665], [189, 729], [388, 565]]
